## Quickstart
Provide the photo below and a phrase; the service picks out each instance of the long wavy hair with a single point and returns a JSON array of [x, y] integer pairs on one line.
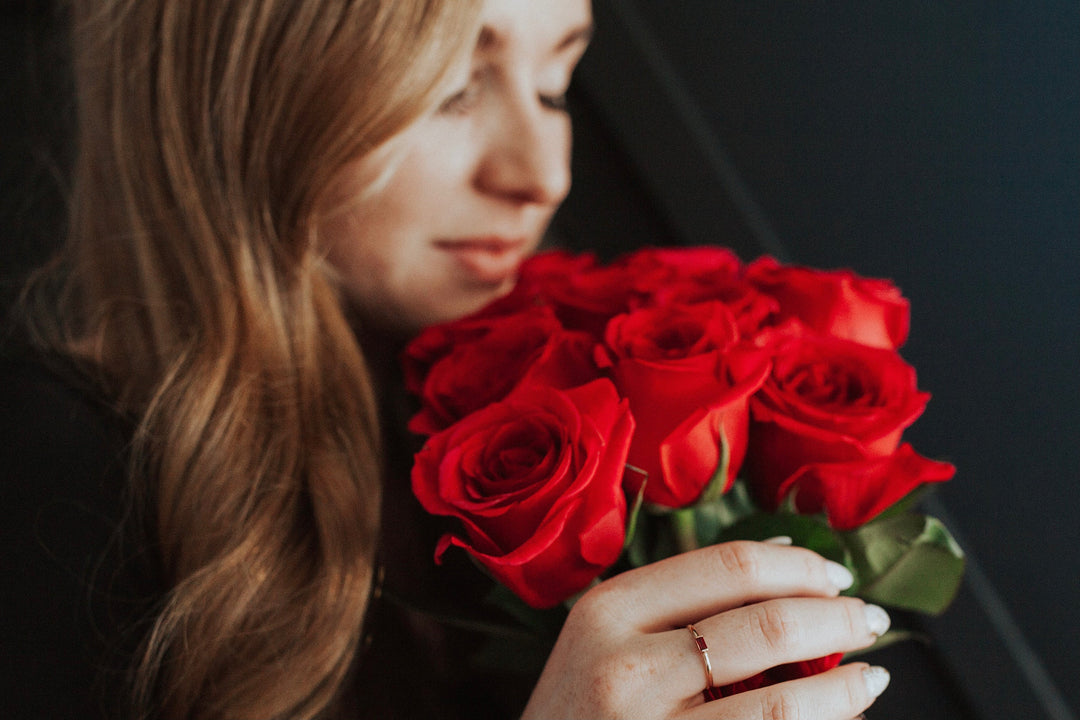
[[193, 287]]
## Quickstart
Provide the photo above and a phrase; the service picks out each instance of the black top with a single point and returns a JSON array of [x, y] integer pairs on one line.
[[75, 590], [79, 584]]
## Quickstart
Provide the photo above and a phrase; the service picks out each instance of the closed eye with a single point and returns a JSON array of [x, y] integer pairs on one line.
[[459, 103], [554, 102]]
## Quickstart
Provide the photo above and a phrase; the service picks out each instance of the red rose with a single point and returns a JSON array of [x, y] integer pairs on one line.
[[583, 293], [687, 275], [782, 673], [706, 264], [433, 344], [536, 481], [830, 402], [459, 368], [586, 295], [853, 492], [552, 269], [838, 302], [687, 378], [665, 276]]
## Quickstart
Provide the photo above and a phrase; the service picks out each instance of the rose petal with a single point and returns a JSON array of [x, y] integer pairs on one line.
[[853, 493]]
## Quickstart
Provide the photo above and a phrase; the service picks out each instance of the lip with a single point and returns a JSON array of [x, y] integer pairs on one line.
[[486, 260]]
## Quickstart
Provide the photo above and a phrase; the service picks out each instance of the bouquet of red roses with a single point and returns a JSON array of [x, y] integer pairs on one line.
[[600, 417]]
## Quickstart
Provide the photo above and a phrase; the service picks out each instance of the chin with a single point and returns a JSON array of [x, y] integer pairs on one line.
[[449, 313], [456, 308], [405, 319]]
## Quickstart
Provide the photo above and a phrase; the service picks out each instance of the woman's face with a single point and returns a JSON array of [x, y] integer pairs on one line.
[[437, 223]]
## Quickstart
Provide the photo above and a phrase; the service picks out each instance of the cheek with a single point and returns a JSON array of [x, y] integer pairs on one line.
[[390, 274], [378, 236], [352, 250], [377, 222], [367, 254]]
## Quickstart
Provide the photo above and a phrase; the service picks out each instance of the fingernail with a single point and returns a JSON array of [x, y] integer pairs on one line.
[[877, 620], [839, 575], [780, 540], [877, 679]]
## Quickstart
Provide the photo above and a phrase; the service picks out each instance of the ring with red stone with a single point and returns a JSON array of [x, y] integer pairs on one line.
[[710, 687]]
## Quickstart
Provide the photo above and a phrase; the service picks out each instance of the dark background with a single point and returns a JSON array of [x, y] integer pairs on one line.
[[35, 117], [937, 144]]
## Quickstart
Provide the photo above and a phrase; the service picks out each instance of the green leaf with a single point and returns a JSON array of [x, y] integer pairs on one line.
[[635, 508], [904, 505], [636, 550], [788, 504], [809, 531], [658, 510], [717, 484], [907, 561], [684, 529], [738, 503], [653, 538], [714, 516]]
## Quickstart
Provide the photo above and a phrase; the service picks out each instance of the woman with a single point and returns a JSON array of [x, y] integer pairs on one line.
[[269, 195]]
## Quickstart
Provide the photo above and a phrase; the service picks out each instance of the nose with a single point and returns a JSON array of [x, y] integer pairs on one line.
[[527, 160]]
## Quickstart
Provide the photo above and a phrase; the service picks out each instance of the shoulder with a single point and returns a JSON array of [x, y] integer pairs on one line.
[[73, 584], [50, 418], [62, 450]]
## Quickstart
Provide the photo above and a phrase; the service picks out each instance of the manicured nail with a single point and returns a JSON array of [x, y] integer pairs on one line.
[[877, 679], [839, 575], [877, 620], [780, 540]]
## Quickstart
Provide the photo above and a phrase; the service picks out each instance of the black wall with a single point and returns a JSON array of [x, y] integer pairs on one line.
[[937, 144]]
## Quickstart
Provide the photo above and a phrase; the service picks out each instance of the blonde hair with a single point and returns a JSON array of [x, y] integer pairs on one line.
[[192, 284]]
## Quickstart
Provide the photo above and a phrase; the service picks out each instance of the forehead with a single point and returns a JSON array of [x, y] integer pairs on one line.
[[542, 26]]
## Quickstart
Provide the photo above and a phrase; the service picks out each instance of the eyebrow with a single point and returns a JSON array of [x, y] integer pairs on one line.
[[490, 39]]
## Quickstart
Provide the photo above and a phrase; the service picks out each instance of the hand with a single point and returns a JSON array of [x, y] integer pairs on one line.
[[625, 650]]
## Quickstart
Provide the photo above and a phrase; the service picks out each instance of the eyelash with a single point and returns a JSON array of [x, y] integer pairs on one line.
[[464, 100], [554, 102], [460, 102]]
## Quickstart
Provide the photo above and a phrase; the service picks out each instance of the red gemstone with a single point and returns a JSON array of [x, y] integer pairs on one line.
[[700, 643]]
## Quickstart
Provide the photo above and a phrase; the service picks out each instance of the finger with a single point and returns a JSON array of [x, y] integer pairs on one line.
[[839, 694], [745, 641], [687, 587]]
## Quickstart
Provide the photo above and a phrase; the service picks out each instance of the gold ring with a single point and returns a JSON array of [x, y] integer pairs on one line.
[[702, 648]]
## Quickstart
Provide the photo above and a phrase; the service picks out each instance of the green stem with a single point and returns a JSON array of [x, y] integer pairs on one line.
[[685, 529]]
